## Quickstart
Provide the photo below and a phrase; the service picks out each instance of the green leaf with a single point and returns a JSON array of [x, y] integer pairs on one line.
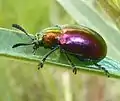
[[8, 38]]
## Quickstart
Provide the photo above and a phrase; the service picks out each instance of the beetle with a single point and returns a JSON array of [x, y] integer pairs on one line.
[[79, 41]]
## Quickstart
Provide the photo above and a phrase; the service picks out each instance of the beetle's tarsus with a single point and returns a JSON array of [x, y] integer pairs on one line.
[[75, 70], [102, 68], [40, 65], [106, 71]]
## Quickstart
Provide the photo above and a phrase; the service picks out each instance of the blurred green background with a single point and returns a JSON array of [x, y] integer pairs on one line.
[[20, 80]]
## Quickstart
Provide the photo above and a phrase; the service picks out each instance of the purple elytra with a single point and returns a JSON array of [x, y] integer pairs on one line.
[[83, 44]]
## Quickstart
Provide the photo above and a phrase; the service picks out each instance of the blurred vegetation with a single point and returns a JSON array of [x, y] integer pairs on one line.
[[20, 80], [33, 15], [111, 9]]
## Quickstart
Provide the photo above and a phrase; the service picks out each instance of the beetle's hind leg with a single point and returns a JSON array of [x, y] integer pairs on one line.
[[40, 65], [102, 68], [70, 61]]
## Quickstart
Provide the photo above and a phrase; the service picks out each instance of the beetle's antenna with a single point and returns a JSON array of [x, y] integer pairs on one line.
[[22, 29], [21, 44]]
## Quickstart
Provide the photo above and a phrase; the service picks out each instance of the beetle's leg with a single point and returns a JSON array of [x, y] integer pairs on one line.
[[40, 65], [34, 51], [102, 68], [70, 61], [35, 47]]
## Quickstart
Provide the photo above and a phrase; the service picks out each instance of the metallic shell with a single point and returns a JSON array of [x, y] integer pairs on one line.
[[83, 42]]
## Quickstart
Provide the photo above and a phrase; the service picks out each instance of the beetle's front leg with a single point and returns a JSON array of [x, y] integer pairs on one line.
[[40, 65]]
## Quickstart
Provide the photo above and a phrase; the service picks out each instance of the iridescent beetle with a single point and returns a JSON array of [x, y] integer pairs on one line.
[[79, 41]]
